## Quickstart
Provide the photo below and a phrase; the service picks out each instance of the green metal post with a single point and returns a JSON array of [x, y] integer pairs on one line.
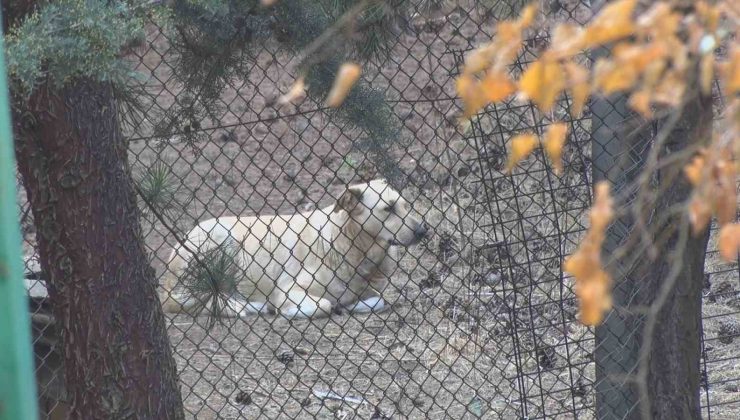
[[17, 382]]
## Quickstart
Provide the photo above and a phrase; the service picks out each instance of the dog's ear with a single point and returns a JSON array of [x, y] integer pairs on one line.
[[349, 200]]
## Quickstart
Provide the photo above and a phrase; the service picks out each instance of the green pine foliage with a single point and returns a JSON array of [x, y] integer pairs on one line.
[[158, 189], [215, 42], [70, 39], [212, 280]]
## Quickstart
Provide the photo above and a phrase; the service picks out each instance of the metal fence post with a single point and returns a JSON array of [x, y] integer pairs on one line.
[[17, 391], [618, 161]]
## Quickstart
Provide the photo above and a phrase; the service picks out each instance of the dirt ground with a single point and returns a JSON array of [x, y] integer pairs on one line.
[[472, 323]]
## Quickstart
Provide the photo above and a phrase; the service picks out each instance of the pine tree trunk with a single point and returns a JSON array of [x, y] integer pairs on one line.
[[73, 161]]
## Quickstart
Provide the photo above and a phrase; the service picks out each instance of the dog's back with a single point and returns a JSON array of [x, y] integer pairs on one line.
[[264, 244]]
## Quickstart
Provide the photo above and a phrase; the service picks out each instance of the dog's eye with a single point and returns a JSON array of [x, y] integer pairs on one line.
[[389, 208]]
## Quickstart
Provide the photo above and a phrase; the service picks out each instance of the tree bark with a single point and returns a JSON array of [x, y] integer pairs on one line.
[[671, 361], [674, 356], [73, 160]]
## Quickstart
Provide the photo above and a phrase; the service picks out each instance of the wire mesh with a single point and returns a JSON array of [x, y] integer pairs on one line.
[[481, 320]]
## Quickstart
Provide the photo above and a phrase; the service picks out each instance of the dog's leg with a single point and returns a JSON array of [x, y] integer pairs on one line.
[[369, 304], [253, 308], [299, 304]]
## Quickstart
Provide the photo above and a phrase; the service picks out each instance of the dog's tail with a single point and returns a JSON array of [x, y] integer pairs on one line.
[[203, 273], [169, 294]]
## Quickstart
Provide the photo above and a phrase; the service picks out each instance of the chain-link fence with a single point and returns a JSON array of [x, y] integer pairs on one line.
[[479, 318]]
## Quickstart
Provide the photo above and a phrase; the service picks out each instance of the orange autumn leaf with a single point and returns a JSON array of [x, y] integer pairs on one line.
[[296, 92], [725, 198], [508, 32], [610, 77], [507, 44], [602, 211], [660, 20], [579, 265], [542, 82], [472, 96], [496, 86], [639, 56], [580, 88], [567, 41], [694, 169], [527, 16], [593, 284], [594, 298], [680, 56], [725, 206], [613, 23], [553, 145], [479, 59], [640, 102], [346, 78], [670, 89], [652, 74], [731, 72], [521, 146], [700, 213], [709, 14], [729, 242]]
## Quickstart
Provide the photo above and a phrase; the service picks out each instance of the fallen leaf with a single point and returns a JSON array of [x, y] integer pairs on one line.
[[331, 395], [521, 146], [475, 406], [346, 78]]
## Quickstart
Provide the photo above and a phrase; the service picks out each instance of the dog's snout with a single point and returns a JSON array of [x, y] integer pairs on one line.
[[421, 230]]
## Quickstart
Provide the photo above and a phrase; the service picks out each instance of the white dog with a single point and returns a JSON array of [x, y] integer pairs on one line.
[[302, 265]]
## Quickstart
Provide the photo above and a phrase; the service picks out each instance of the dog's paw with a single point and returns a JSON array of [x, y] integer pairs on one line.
[[373, 304], [254, 308], [308, 309]]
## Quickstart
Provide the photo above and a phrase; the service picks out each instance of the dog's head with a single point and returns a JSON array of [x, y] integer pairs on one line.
[[381, 211]]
